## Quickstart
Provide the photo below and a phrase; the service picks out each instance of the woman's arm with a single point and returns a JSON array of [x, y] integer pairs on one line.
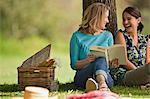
[[74, 55], [121, 40], [148, 52]]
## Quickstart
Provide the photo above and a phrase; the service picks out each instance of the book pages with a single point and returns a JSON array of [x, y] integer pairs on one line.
[[116, 51]]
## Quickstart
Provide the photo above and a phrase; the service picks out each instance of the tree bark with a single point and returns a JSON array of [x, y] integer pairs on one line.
[[112, 25]]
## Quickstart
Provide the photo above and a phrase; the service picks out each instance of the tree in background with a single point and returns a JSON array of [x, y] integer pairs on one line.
[[112, 26], [21, 19], [49, 18]]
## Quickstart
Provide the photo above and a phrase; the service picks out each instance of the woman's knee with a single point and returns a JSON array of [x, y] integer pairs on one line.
[[101, 64], [101, 60]]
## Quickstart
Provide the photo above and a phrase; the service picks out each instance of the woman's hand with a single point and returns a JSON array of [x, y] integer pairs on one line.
[[81, 63], [114, 63], [91, 58]]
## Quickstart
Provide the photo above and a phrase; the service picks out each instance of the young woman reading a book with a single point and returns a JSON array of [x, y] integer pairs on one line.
[[137, 48], [91, 73]]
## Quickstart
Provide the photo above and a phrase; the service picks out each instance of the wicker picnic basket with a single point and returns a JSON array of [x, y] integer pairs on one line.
[[38, 70]]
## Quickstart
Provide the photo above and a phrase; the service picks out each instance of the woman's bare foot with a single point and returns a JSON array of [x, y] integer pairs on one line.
[[103, 87]]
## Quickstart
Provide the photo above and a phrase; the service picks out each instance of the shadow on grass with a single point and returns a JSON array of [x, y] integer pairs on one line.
[[68, 86], [16, 88], [9, 88]]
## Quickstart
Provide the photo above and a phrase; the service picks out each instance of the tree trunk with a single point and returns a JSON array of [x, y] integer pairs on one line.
[[112, 26]]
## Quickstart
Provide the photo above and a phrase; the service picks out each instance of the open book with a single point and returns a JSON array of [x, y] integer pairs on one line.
[[111, 52]]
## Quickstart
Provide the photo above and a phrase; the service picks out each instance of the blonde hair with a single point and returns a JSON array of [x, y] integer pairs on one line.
[[93, 17]]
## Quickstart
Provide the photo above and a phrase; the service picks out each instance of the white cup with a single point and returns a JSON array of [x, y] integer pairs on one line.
[[32, 92]]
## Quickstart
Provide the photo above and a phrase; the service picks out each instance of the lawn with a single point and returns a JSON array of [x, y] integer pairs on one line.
[[63, 73], [9, 86]]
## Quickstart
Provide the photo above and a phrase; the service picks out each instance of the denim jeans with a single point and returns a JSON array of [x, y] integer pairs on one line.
[[99, 66]]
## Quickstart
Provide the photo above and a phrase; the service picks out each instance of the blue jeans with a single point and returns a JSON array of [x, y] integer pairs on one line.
[[99, 66]]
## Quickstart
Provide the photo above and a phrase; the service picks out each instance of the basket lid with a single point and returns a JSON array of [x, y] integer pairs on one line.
[[38, 58]]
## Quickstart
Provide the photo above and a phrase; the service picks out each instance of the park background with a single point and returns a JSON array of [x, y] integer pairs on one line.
[[26, 26]]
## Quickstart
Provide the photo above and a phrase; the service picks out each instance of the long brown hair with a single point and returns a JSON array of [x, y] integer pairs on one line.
[[93, 16]]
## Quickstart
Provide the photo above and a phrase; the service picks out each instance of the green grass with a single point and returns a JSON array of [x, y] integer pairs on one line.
[[134, 91], [12, 90]]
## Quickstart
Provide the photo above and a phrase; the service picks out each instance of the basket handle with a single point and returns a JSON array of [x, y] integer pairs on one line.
[[36, 71]]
